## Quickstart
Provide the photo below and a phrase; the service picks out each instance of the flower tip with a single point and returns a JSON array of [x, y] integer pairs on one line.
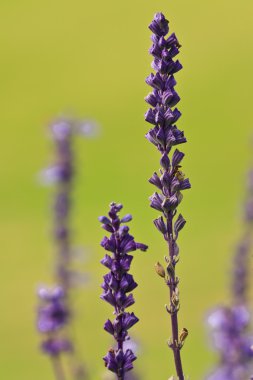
[[104, 220], [141, 247], [126, 218]]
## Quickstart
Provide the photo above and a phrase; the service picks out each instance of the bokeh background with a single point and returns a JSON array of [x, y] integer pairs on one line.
[[89, 58]]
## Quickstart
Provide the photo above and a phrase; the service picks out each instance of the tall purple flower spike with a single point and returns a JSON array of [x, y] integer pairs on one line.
[[230, 325], [170, 181], [117, 285]]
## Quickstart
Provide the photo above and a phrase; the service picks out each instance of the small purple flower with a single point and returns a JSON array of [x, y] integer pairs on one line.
[[116, 287], [119, 361]]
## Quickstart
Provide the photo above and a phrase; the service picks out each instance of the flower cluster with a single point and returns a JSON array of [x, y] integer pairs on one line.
[[117, 285], [170, 181]]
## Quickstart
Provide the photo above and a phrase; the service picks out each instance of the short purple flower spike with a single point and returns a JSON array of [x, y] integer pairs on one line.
[[116, 287], [170, 182]]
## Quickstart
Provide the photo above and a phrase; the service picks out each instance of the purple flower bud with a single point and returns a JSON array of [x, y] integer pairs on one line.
[[104, 220], [169, 117], [155, 81], [129, 320], [177, 157], [107, 227], [108, 326], [150, 116], [171, 203], [161, 137], [125, 262], [159, 25], [185, 184], [127, 283], [108, 297], [179, 224], [160, 225], [107, 261], [123, 231], [156, 201], [141, 247], [127, 218], [172, 40], [165, 162], [151, 99], [177, 114], [155, 180]]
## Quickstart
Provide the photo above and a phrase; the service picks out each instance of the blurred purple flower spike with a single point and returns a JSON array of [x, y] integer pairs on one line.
[[55, 310], [230, 325]]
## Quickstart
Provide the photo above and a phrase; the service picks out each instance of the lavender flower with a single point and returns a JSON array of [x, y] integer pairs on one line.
[[116, 286], [230, 324], [130, 375], [54, 311], [170, 181]]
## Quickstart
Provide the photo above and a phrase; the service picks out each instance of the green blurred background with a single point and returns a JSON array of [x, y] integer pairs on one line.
[[91, 58]]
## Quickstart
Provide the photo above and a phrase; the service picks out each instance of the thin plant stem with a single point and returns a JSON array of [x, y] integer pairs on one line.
[[173, 315], [58, 368]]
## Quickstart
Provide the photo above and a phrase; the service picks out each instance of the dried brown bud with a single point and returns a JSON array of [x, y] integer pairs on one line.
[[175, 298], [183, 335], [180, 175], [159, 269], [170, 269]]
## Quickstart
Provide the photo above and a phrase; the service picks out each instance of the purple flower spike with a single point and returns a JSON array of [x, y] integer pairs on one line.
[[171, 181], [116, 286]]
